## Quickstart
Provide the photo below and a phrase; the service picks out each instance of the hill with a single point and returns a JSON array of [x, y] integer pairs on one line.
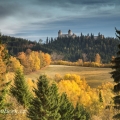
[[67, 48], [84, 47], [15, 45]]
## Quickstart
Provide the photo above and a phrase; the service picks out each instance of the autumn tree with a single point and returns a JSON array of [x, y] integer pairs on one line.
[[80, 62], [47, 59], [97, 58], [4, 83], [15, 64], [20, 89], [116, 77], [45, 105], [33, 60], [55, 56], [22, 57]]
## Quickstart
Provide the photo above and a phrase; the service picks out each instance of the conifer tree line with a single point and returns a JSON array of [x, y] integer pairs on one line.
[[70, 49], [84, 47]]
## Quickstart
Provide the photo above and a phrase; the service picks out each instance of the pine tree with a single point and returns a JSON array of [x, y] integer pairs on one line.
[[45, 105], [20, 89], [80, 113], [100, 97], [66, 108], [116, 77]]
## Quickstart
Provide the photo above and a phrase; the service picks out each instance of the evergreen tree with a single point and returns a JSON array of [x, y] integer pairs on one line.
[[116, 77], [20, 89], [80, 113], [66, 108], [45, 106], [100, 97]]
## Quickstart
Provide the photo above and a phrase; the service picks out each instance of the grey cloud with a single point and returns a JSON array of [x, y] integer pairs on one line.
[[78, 2], [13, 7], [29, 8], [8, 9], [51, 14]]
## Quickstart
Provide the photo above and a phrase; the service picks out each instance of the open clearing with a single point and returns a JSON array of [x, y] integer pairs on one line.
[[94, 76]]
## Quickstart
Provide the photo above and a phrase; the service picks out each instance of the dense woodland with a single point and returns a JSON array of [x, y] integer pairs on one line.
[[70, 49], [84, 47]]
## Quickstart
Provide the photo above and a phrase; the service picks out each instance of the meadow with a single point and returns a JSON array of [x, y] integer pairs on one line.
[[93, 75]]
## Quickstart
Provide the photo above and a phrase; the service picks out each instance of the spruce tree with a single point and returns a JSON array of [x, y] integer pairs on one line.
[[80, 113], [116, 77], [66, 108], [45, 105], [20, 89]]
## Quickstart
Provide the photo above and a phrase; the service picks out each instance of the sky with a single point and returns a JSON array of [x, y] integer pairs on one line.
[[39, 19]]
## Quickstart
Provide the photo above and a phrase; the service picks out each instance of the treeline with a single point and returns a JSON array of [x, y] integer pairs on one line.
[[29, 61], [81, 63], [67, 49], [15, 45], [84, 47]]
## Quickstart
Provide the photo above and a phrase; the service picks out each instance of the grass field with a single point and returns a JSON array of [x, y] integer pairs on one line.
[[94, 76]]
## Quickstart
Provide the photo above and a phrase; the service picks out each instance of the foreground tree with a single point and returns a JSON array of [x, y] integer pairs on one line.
[[66, 108], [4, 83], [80, 113], [20, 89], [45, 106], [116, 77]]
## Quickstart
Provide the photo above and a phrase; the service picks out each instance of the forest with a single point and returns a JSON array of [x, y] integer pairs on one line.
[[83, 47], [67, 97]]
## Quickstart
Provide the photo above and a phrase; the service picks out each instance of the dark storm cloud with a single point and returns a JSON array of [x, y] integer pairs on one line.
[[78, 2], [8, 9], [43, 8]]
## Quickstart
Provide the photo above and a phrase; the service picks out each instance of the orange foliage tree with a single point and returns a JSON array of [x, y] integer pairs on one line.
[[33, 60]]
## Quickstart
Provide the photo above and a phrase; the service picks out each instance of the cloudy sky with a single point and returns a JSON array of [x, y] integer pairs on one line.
[[38, 19]]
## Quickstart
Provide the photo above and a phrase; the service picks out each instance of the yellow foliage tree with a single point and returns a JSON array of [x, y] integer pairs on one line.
[[57, 77], [47, 58], [97, 58], [15, 64], [4, 83], [71, 88], [79, 91], [36, 61]]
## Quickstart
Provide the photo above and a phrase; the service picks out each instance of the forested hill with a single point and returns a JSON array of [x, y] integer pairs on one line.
[[84, 47], [71, 49], [15, 45]]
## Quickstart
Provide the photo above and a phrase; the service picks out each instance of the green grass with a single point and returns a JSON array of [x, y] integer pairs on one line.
[[94, 76]]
